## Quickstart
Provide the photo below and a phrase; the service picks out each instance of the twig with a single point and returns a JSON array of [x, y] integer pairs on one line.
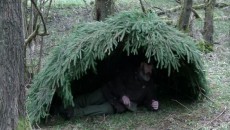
[[104, 118], [202, 90], [48, 10], [32, 36], [225, 108], [158, 8], [35, 32], [181, 105], [43, 21], [142, 6], [195, 13], [38, 126], [178, 1], [208, 97]]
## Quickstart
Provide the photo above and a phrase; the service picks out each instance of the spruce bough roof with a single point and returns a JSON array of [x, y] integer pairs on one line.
[[135, 32]]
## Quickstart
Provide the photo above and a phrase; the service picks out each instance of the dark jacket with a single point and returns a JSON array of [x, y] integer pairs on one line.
[[132, 85]]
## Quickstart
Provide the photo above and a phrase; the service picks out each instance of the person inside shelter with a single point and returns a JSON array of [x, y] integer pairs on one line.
[[124, 93]]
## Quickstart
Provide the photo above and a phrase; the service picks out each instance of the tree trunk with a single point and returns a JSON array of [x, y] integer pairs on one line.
[[208, 21], [12, 86], [183, 22], [103, 8]]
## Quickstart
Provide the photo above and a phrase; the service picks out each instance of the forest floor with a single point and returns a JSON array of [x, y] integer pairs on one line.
[[211, 113]]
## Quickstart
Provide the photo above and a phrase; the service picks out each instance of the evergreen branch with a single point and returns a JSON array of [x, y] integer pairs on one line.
[[134, 33]]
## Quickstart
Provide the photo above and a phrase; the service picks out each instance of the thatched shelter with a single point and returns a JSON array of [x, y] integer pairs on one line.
[[95, 53]]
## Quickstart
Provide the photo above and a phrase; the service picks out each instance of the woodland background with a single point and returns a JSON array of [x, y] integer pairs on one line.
[[213, 112], [52, 20]]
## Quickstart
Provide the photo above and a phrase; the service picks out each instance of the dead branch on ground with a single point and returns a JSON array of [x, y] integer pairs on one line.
[[195, 7], [182, 105], [225, 108]]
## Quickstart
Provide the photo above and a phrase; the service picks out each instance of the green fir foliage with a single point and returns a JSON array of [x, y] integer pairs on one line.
[[135, 32]]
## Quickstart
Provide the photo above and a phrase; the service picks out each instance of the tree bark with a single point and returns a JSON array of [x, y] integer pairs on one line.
[[183, 22], [12, 86], [208, 21], [103, 8]]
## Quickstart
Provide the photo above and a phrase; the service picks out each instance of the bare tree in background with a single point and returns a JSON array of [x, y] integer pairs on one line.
[[183, 22], [208, 21], [35, 17], [12, 85], [103, 8]]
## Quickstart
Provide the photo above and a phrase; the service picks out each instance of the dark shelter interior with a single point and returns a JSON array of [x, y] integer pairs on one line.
[[173, 86]]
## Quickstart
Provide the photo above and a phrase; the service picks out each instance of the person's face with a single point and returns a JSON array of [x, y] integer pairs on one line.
[[146, 70]]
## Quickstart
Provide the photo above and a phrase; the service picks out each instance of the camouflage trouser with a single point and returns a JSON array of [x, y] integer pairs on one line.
[[92, 104]]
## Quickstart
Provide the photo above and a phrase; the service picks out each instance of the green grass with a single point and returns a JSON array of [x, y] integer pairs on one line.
[[172, 115], [68, 3]]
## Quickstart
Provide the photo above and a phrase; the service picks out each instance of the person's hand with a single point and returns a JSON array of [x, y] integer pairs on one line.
[[125, 100], [155, 105]]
